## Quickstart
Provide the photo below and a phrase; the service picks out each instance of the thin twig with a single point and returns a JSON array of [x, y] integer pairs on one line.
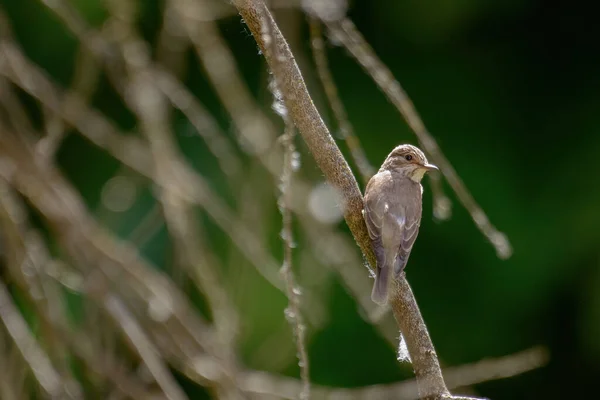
[[293, 291], [267, 384], [464, 375], [36, 359], [345, 32], [172, 42], [359, 157], [442, 206], [26, 262], [290, 163], [202, 121], [10, 383], [147, 227], [144, 347], [84, 83]]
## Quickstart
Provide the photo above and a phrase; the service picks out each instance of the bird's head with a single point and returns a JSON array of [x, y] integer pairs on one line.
[[409, 161]]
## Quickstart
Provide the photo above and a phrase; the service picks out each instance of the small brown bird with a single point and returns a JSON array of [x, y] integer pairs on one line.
[[392, 212]]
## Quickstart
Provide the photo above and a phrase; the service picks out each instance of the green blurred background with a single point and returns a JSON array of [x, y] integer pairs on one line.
[[511, 91]]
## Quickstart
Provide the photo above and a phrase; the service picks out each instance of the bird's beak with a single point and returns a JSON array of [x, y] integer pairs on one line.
[[430, 167]]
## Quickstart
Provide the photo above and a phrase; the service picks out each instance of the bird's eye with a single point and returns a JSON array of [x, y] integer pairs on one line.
[[408, 157]]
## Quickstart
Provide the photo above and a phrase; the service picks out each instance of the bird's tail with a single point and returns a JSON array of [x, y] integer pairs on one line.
[[380, 289]]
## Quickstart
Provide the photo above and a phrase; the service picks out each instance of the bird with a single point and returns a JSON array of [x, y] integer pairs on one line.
[[392, 212]]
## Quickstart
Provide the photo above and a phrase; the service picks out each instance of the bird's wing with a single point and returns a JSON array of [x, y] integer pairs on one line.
[[373, 214], [385, 220], [410, 230], [377, 219], [393, 224]]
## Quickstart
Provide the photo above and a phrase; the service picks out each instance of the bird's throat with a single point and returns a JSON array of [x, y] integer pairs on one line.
[[417, 175]]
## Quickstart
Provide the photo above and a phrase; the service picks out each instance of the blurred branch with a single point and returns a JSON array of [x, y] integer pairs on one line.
[[84, 83], [334, 166], [257, 134], [151, 108], [134, 153], [201, 120], [36, 359], [103, 50], [365, 169], [144, 347], [88, 244], [35, 255], [345, 32], [442, 206], [172, 42], [293, 291], [26, 261], [12, 372], [469, 374], [335, 249]]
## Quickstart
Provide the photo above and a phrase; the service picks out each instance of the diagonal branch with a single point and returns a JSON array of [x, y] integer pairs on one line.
[[35, 358], [292, 312], [464, 375], [345, 128]]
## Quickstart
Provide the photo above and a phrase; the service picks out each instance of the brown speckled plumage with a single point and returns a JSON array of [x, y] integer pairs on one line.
[[392, 212]]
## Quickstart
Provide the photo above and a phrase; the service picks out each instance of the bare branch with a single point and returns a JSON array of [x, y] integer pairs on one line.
[[346, 132], [36, 359], [138, 339], [290, 164], [422, 353], [84, 83], [464, 375], [26, 262], [12, 372], [293, 291], [442, 206]]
